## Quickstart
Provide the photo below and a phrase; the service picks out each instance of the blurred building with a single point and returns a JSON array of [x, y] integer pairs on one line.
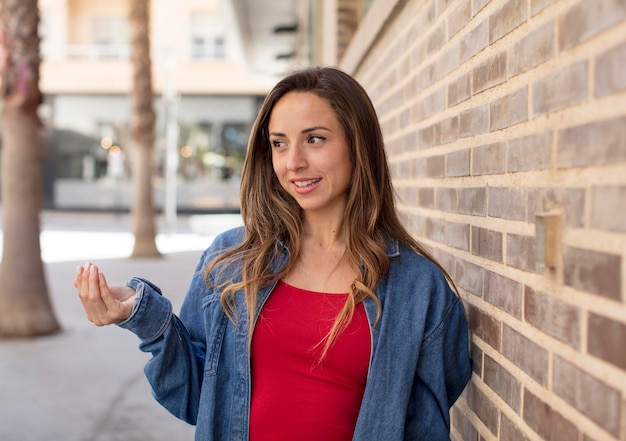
[[208, 84]]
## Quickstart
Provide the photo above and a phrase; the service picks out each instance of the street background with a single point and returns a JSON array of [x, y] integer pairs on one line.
[[86, 383]]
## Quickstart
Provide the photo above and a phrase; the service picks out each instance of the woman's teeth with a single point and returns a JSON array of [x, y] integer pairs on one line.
[[302, 184]]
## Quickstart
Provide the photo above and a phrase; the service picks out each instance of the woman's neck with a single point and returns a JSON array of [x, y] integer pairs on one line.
[[323, 233]]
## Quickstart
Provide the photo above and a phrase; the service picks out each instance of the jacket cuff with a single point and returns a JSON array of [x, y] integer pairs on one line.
[[151, 312]]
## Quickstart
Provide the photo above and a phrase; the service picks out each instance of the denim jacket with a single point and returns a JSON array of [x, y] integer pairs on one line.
[[419, 365]]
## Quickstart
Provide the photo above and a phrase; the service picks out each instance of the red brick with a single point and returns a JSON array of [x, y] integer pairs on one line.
[[463, 426], [472, 201], [587, 19], [426, 197], [459, 17], [532, 50], [427, 76], [436, 39], [485, 410], [401, 170], [509, 110], [474, 42], [442, 5], [520, 252], [504, 293], [459, 90], [485, 327], [469, 276], [594, 398], [446, 199], [425, 17], [606, 339], [446, 131], [507, 203], [408, 141], [602, 142], [448, 61], [435, 230], [546, 421], [536, 6], [425, 137], [507, 18], [418, 224], [561, 89], [489, 159], [533, 152], [490, 73], [457, 235], [509, 431], [486, 243], [607, 208], [430, 167], [405, 118], [478, 5], [406, 196], [429, 105], [435, 166], [446, 260], [503, 383], [458, 163], [594, 272], [525, 354], [552, 316], [610, 77], [474, 121]]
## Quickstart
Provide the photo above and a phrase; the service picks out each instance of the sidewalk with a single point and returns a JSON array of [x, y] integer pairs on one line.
[[86, 383]]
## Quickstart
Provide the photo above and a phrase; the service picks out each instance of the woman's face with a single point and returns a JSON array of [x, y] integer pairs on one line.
[[310, 155]]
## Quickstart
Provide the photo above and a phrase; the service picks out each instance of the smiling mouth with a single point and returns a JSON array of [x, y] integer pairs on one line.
[[303, 184]]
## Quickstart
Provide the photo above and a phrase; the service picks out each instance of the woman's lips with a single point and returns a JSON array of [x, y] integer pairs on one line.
[[304, 186]]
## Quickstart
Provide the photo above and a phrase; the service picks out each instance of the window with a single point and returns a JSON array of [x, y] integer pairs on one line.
[[207, 36], [110, 37]]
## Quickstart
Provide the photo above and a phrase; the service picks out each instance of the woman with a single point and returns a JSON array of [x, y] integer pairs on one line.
[[321, 318]]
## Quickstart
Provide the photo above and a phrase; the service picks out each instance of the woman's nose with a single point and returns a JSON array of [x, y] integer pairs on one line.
[[295, 158]]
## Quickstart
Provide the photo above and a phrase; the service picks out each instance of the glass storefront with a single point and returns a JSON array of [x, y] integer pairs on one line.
[[87, 156]]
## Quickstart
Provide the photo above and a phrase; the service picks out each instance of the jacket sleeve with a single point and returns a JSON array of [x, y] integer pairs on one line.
[[443, 371], [178, 348]]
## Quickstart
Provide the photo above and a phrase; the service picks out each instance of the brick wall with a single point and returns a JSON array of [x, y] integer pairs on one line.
[[347, 21], [505, 123]]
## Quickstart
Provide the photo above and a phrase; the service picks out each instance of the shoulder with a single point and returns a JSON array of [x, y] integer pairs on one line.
[[227, 239], [418, 284], [231, 237], [220, 244], [415, 267]]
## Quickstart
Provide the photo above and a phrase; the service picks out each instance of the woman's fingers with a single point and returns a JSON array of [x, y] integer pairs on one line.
[[94, 295], [116, 310]]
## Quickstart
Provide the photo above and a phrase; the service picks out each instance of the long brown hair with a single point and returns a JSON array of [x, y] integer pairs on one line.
[[271, 216]]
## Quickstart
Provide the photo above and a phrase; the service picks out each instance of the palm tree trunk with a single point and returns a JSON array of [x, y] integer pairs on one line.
[[143, 132], [25, 308]]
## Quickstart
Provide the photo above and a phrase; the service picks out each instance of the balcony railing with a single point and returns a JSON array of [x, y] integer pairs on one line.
[[102, 52], [204, 51]]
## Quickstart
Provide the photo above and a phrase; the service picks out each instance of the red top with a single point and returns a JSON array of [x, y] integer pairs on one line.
[[293, 396]]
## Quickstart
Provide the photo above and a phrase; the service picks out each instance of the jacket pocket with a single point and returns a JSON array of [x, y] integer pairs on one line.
[[215, 322]]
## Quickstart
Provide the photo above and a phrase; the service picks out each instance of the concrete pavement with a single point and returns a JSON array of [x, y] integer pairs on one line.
[[86, 383]]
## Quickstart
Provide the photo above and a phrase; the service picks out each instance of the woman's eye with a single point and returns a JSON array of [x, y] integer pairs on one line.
[[277, 143], [316, 139]]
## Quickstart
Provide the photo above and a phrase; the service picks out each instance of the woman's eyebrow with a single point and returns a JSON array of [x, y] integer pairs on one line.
[[307, 130], [312, 129]]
